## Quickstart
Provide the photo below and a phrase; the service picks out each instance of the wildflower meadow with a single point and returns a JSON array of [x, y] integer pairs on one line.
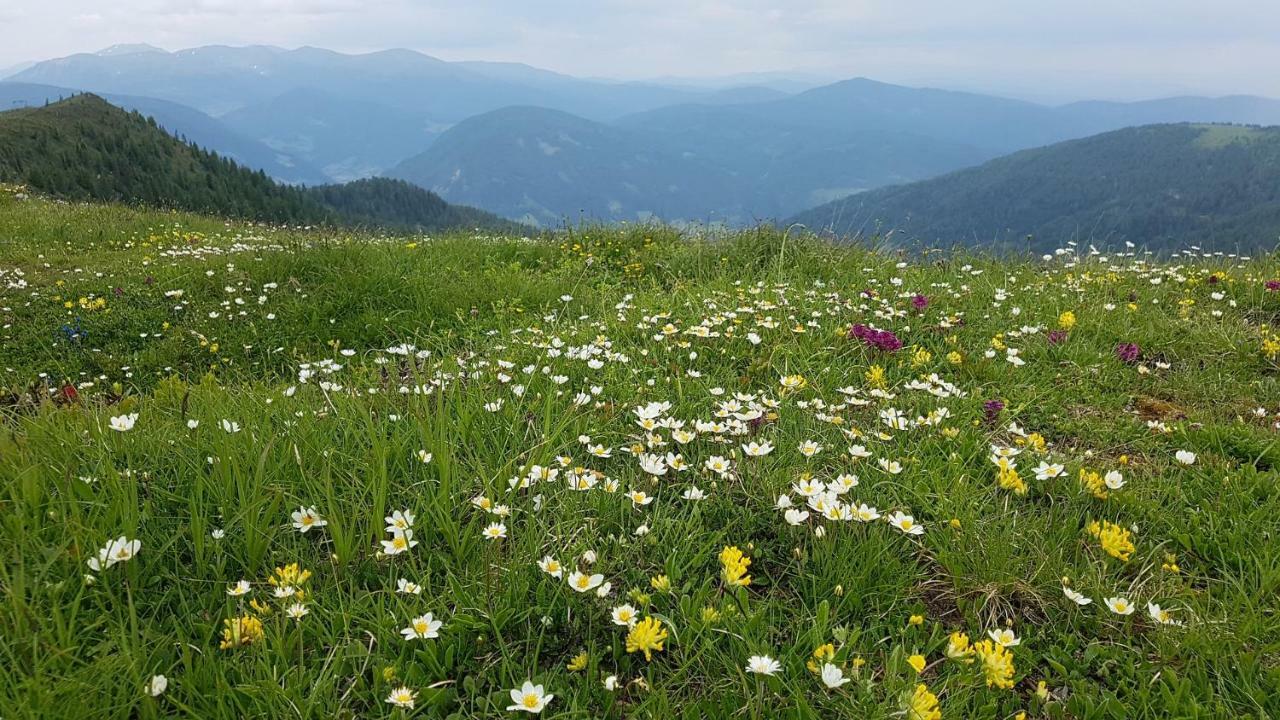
[[628, 472]]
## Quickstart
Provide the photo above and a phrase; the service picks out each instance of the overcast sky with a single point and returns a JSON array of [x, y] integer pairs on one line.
[[1047, 49]]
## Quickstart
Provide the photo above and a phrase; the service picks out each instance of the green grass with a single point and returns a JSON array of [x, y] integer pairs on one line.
[[495, 313]]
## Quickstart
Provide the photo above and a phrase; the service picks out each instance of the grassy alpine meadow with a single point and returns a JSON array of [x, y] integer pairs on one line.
[[250, 471]]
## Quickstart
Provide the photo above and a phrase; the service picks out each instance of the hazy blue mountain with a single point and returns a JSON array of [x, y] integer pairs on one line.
[[84, 148], [1159, 186], [546, 166], [218, 80], [195, 126], [14, 69], [345, 140], [789, 163]]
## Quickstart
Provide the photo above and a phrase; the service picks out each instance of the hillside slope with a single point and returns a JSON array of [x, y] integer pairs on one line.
[[1159, 186], [546, 166], [85, 148], [184, 122]]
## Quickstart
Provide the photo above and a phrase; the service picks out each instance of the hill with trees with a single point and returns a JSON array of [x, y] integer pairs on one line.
[[1158, 186], [84, 148]]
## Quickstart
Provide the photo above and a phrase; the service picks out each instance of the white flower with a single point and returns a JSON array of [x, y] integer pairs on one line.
[[115, 551], [1160, 615], [809, 448], [297, 611], [157, 686], [905, 523], [1076, 597], [893, 467], [755, 449], [653, 464], [832, 676], [639, 498], [241, 587], [529, 698], [1114, 480], [424, 457], [401, 542], [795, 516], [399, 520], [402, 697], [495, 531], [423, 627], [230, 426], [305, 518], [611, 683], [763, 665], [408, 587], [1004, 637], [694, 494], [217, 533], [1045, 470], [551, 566], [193, 424], [1186, 457], [1119, 605], [624, 615], [584, 583], [123, 423], [783, 502]]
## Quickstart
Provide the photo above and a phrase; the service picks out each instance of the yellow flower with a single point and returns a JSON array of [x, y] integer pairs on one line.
[[955, 358], [646, 636], [922, 705], [915, 620], [921, 357], [917, 662], [710, 615], [578, 663], [1091, 482], [875, 376], [661, 583], [735, 566], [958, 647], [997, 663], [1009, 479], [241, 631], [289, 575], [1115, 540], [824, 653], [1067, 320]]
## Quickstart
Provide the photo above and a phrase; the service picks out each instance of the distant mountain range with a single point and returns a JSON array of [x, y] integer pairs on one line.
[[85, 148], [543, 147], [1158, 186]]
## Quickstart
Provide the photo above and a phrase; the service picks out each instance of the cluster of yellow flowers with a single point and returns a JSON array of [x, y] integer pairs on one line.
[[735, 566], [1115, 540], [646, 636]]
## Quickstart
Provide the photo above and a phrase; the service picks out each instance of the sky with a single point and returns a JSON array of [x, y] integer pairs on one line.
[[1036, 49]]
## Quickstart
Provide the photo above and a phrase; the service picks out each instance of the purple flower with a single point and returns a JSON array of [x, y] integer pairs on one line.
[[879, 339], [1273, 285], [919, 302], [992, 409], [1057, 336], [1128, 352]]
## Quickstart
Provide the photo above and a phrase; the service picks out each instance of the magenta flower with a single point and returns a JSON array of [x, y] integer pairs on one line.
[[1128, 352], [879, 339]]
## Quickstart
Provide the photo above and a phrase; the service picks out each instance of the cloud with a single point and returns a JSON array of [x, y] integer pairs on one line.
[[1055, 47]]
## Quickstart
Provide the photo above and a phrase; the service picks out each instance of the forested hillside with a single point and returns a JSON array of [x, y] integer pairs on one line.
[[1158, 186], [84, 148]]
